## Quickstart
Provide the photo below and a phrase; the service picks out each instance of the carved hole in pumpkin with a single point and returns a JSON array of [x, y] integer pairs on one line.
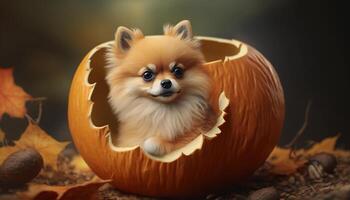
[[214, 50], [101, 111]]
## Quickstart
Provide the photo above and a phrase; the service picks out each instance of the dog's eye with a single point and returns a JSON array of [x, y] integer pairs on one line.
[[178, 72], [148, 75]]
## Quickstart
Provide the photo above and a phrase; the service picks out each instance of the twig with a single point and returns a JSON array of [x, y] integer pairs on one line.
[[40, 112], [29, 118], [292, 143]]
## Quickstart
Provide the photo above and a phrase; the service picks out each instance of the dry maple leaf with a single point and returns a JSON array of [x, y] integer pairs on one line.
[[12, 97], [79, 164], [6, 151], [327, 146], [46, 145], [35, 137], [87, 190], [282, 164]]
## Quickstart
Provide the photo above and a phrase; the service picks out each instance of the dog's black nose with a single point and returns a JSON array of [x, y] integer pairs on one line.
[[166, 83]]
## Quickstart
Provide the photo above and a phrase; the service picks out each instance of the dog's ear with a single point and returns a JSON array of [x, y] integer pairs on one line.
[[124, 38], [184, 29]]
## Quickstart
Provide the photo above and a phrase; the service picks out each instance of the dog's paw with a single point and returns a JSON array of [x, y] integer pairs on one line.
[[154, 147]]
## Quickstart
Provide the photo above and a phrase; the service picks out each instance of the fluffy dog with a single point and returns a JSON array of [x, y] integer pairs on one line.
[[158, 88]]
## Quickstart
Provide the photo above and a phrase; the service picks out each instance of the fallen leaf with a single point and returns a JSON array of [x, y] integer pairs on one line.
[[327, 146], [6, 151], [47, 146], [35, 137], [341, 153], [12, 97], [79, 164], [87, 190], [282, 164]]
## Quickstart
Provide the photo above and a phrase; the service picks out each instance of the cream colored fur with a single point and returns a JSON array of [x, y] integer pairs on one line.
[[159, 124]]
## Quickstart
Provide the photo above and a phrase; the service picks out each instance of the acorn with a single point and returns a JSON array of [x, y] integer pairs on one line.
[[20, 167], [326, 160], [268, 193]]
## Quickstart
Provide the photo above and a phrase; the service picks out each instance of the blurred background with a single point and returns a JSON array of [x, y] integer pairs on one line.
[[306, 41]]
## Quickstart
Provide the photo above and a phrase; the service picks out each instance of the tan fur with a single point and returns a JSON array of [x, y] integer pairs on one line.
[[156, 122]]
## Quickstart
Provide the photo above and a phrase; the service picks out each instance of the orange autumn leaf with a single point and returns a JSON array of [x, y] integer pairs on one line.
[[6, 151], [327, 146], [47, 146], [282, 164], [79, 164], [341, 153], [87, 190], [12, 97], [35, 137]]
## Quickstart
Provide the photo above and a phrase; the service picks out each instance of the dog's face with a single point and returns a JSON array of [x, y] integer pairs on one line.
[[159, 68]]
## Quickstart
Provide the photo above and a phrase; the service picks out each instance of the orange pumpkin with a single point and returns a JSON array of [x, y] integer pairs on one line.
[[247, 129]]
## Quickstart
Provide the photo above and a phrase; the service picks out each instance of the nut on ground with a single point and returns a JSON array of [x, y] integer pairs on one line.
[[20, 167], [321, 164]]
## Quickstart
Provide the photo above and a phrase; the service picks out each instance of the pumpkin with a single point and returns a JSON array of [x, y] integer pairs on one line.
[[251, 114]]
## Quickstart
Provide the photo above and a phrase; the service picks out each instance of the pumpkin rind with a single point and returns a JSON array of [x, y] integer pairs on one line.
[[253, 124]]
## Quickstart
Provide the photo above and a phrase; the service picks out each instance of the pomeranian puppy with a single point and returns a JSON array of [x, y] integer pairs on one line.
[[158, 88]]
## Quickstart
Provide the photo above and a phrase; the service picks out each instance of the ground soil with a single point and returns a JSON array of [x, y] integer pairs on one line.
[[298, 185]]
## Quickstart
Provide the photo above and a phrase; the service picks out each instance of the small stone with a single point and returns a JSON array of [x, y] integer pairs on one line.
[[20, 167], [269, 193], [328, 161]]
